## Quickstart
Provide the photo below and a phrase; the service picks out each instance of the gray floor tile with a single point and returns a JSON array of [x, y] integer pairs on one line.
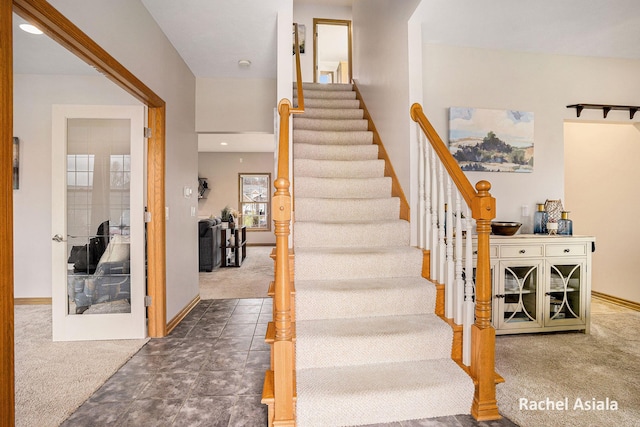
[[238, 330], [170, 386], [249, 412], [206, 411], [151, 412], [226, 361], [122, 387], [258, 360], [217, 383], [97, 414]]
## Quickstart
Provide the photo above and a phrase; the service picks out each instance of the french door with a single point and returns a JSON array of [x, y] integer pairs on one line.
[[98, 239]]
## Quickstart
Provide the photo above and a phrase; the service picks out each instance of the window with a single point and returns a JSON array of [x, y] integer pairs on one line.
[[255, 201]]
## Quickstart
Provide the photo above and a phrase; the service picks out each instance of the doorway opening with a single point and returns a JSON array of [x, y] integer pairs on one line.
[[332, 51]]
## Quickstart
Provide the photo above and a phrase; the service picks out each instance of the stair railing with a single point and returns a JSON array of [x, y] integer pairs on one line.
[[283, 354], [448, 203]]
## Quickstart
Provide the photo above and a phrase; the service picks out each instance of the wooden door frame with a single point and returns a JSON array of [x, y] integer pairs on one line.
[[59, 28], [323, 21]]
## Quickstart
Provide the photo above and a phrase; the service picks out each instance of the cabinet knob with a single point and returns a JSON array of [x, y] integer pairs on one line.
[[522, 251], [500, 296], [566, 251], [475, 252], [548, 293]]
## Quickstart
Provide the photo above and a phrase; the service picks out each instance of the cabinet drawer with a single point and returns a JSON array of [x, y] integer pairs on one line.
[[493, 251], [566, 250], [521, 251]]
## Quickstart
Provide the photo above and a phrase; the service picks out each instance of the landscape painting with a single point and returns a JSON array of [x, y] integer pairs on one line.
[[491, 140]]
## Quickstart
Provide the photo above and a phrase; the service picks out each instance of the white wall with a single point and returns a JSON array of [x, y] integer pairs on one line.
[[32, 205], [235, 105], [381, 69], [127, 31], [221, 170], [542, 84], [601, 176], [303, 13]]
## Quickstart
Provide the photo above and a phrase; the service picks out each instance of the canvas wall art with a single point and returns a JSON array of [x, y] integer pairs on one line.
[[491, 140]]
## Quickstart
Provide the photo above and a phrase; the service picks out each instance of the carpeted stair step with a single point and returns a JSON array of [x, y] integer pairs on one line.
[[370, 340], [338, 210], [339, 168], [342, 188], [342, 298], [324, 86], [352, 234], [335, 152], [331, 113], [332, 137], [384, 393], [329, 103], [325, 94], [357, 263], [345, 125]]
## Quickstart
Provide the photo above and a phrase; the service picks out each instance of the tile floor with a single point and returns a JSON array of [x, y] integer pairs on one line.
[[207, 372]]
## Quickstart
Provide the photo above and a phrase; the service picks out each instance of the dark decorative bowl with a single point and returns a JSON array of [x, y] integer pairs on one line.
[[505, 228]]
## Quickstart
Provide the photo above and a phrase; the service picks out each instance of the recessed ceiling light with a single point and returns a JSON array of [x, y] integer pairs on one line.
[[224, 143], [244, 63], [30, 29]]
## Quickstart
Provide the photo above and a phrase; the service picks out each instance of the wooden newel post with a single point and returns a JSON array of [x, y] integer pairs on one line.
[[283, 351], [483, 335]]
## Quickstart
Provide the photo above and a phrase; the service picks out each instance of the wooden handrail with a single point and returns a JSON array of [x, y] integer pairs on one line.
[[483, 207], [300, 108], [456, 174]]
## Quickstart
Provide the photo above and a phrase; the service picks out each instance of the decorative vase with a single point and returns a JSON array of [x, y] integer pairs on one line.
[[554, 210], [565, 225], [540, 220]]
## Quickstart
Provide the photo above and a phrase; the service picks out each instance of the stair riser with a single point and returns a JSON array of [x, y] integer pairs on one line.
[[330, 125], [343, 188], [376, 234], [326, 94], [314, 266], [330, 103], [315, 209], [332, 113], [324, 352], [323, 86], [335, 152], [332, 137], [339, 168], [315, 300]]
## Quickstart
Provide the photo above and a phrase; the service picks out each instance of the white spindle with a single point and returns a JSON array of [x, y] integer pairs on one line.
[[469, 304], [441, 218], [449, 226], [458, 290], [434, 218], [421, 189], [427, 190]]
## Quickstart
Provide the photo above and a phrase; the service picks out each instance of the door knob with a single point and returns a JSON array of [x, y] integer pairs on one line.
[[57, 238]]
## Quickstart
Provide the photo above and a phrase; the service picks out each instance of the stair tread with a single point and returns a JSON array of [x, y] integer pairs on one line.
[[371, 326], [381, 393]]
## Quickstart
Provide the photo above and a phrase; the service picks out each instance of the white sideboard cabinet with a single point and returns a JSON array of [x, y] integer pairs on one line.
[[541, 283]]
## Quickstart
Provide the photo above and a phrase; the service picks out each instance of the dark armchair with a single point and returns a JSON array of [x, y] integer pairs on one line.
[[209, 234]]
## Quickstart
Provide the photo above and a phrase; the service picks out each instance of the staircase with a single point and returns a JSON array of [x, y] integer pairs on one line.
[[369, 346]]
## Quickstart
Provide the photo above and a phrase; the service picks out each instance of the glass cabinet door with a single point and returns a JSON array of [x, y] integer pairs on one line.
[[517, 296], [563, 296]]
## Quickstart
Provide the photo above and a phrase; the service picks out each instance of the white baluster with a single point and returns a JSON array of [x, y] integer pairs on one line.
[[441, 218], [421, 189], [427, 190], [458, 290], [469, 304], [449, 279], [434, 218]]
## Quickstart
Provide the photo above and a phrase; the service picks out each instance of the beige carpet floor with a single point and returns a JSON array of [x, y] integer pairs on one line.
[[250, 280], [574, 367], [54, 378]]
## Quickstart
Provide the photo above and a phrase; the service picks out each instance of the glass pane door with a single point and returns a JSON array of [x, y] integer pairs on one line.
[[98, 250]]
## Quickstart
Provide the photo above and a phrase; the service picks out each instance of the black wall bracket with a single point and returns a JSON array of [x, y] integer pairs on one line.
[[605, 108]]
